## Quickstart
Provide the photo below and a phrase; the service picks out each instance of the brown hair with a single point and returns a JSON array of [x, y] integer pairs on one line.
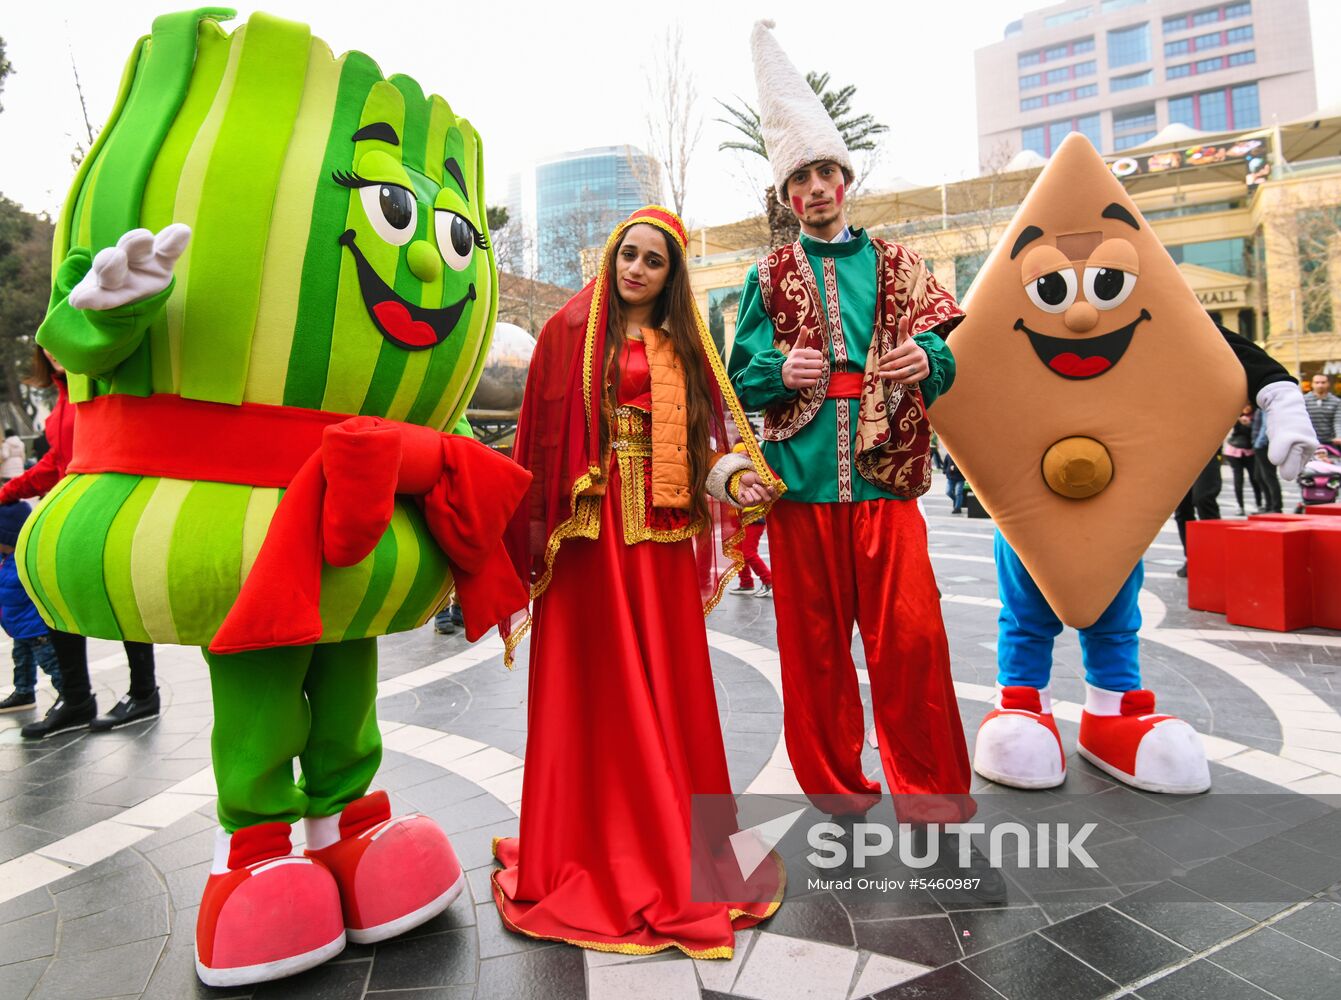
[[675, 314], [40, 373]]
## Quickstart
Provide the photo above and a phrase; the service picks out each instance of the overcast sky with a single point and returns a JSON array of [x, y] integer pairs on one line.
[[540, 78]]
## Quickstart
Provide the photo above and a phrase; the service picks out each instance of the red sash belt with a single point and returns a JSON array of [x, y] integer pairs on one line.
[[341, 476], [845, 385]]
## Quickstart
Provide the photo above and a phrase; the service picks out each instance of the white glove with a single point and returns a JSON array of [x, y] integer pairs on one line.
[[140, 265], [1290, 438]]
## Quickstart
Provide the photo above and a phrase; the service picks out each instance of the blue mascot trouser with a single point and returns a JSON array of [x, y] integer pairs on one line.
[[1027, 627]]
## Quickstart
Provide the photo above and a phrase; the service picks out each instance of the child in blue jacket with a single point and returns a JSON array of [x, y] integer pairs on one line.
[[32, 646]]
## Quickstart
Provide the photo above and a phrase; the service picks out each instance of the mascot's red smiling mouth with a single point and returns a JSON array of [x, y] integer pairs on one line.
[[405, 324], [1086, 358]]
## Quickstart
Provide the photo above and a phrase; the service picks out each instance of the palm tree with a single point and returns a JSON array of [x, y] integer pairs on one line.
[[857, 131]]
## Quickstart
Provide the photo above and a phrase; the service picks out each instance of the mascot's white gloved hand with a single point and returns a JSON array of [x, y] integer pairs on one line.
[[1291, 441], [140, 265]]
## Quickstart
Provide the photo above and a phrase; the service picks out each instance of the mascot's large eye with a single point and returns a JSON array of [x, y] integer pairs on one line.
[[392, 211], [1108, 287], [457, 239], [1053, 292]]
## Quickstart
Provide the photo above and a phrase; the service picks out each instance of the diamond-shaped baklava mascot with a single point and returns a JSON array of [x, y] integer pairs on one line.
[[259, 466], [1091, 389]]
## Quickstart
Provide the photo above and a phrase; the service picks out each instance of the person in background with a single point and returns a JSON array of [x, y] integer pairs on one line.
[[1324, 410], [76, 708], [1266, 472], [1238, 452], [18, 616], [449, 619], [954, 484], [12, 455]]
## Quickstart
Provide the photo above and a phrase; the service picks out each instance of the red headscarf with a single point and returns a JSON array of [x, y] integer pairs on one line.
[[559, 431]]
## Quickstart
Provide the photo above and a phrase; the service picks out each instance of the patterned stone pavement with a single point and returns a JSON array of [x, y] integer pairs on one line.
[[105, 840]]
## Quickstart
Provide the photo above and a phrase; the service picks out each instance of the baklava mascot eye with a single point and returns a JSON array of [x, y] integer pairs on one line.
[[273, 291]]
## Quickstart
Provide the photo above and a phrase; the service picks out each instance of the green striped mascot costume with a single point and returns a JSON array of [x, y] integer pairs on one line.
[[273, 292]]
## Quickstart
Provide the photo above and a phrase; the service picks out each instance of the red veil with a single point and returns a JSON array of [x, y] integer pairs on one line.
[[559, 439]]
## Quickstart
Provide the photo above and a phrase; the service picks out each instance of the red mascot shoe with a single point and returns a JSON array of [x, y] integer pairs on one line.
[[1157, 753], [265, 913], [1018, 743], [394, 874]]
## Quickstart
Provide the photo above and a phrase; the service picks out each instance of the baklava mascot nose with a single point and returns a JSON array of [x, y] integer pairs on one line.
[[260, 466], [1081, 311]]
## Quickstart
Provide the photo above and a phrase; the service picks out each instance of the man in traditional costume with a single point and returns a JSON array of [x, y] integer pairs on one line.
[[836, 341]]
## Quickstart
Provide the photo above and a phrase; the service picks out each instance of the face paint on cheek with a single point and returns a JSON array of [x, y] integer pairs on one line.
[[839, 193], [798, 206]]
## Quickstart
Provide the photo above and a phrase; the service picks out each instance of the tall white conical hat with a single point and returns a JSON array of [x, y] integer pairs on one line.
[[796, 128]]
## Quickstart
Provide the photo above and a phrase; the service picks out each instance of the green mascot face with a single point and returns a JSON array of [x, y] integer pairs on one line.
[[340, 259]]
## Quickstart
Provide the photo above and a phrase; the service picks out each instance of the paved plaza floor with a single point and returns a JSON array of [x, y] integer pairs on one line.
[[105, 840]]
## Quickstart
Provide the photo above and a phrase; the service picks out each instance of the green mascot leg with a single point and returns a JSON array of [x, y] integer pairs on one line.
[[344, 745], [314, 703]]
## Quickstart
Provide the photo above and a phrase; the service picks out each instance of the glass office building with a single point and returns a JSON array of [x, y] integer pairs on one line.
[[579, 197]]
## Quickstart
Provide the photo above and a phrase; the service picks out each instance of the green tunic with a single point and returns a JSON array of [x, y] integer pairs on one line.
[[808, 461]]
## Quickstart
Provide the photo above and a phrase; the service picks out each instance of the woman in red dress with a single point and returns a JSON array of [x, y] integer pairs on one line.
[[623, 427]]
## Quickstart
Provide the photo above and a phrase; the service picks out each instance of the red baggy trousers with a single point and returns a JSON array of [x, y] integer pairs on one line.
[[833, 564]]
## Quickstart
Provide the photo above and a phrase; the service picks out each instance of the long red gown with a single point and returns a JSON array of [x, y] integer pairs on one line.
[[622, 731]]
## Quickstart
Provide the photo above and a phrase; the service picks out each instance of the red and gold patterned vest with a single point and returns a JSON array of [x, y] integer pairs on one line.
[[893, 442]]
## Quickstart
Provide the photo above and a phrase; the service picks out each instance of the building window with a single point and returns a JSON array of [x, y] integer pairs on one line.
[[1218, 110], [1030, 103], [1089, 90], [1108, 6], [1201, 43], [1058, 75], [1060, 97], [1244, 107], [1055, 52], [1174, 72], [1031, 81], [1209, 65], [1243, 58], [1034, 138], [1085, 68], [1134, 118], [1086, 45], [1178, 48], [1131, 80], [1135, 139], [1212, 111], [1238, 10], [1127, 46], [1066, 17], [1044, 139], [1235, 35], [1218, 255], [1172, 24], [1028, 59], [1206, 16]]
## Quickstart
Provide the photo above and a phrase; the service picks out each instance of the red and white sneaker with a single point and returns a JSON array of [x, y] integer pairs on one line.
[[393, 874], [1018, 743], [1137, 745], [265, 913]]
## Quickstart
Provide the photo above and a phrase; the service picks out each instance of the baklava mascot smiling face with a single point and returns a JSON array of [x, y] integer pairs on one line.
[[1122, 388], [259, 465]]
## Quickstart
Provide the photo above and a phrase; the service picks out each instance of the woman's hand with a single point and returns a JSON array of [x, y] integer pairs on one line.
[[751, 490]]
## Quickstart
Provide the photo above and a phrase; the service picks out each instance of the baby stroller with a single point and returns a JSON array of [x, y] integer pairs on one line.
[[1321, 479]]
